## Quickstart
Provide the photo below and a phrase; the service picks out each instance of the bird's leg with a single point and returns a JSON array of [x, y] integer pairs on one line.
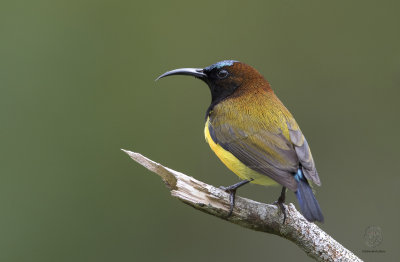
[[232, 191], [280, 202]]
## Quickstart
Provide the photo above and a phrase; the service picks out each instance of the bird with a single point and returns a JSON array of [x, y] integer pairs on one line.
[[255, 135]]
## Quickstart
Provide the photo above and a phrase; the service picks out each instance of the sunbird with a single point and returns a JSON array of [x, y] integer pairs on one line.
[[255, 135]]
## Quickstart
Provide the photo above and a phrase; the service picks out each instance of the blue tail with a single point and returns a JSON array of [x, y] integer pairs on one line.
[[308, 204]]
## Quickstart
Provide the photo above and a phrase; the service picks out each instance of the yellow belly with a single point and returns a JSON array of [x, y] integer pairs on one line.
[[234, 164]]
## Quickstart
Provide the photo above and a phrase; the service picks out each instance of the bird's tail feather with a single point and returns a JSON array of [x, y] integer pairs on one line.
[[308, 204]]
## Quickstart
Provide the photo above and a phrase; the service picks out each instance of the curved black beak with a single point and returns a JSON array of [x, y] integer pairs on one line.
[[196, 72]]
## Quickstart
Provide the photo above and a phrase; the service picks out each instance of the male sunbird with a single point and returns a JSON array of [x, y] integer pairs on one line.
[[255, 135]]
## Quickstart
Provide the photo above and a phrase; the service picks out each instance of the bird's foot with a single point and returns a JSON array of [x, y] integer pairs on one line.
[[228, 188], [280, 203], [282, 208], [232, 192]]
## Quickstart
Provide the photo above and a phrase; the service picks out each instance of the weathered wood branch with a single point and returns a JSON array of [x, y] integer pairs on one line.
[[250, 214]]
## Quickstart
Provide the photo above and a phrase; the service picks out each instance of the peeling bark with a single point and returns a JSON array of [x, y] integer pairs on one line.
[[250, 214]]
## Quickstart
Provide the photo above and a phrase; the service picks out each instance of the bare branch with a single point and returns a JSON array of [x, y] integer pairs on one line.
[[250, 214]]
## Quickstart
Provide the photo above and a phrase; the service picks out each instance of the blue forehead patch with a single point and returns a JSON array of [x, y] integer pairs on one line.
[[220, 64]]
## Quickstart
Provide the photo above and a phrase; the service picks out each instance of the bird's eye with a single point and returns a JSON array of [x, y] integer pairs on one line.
[[222, 74]]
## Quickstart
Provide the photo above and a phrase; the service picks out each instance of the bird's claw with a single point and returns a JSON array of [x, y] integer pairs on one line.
[[282, 208], [232, 192], [227, 189]]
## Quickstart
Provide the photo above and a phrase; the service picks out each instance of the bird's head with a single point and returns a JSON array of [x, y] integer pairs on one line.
[[223, 78]]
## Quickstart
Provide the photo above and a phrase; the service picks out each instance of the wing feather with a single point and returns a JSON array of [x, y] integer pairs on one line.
[[268, 153], [268, 141], [303, 153]]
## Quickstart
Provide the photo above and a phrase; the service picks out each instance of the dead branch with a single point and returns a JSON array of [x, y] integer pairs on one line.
[[250, 214]]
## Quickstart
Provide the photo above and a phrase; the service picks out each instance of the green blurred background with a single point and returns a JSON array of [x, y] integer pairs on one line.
[[77, 84]]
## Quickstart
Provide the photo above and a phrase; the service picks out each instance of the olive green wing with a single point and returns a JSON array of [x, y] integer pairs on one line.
[[263, 149], [303, 152]]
